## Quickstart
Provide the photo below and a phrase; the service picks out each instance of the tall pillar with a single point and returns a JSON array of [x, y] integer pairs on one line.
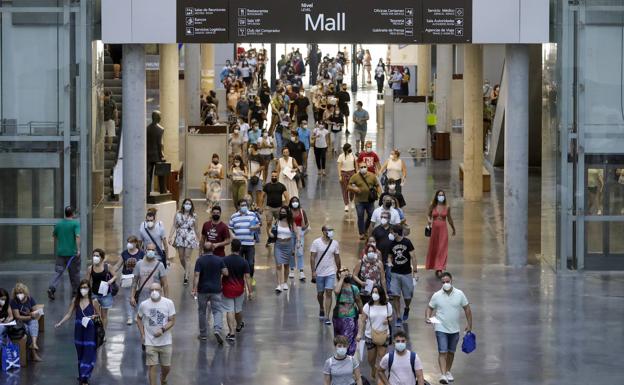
[[207, 68], [423, 74], [192, 80], [473, 122], [516, 178], [134, 138], [444, 77], [170, 103]]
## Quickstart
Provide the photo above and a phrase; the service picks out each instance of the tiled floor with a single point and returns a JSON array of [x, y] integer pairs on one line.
[[533, 326]]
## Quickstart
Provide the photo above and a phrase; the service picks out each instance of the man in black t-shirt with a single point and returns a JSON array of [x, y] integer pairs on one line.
[[402, 273], [296, 148], [380, 233], [276, 194], [302, 103], [343, 103]]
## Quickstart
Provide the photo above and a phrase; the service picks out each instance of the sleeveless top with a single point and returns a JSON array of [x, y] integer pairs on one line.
[[96, 278], [298, 218], [395, 169], [439, 216], [237, 174]]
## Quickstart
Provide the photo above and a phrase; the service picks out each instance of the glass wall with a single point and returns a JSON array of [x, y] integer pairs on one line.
[[44, 108]]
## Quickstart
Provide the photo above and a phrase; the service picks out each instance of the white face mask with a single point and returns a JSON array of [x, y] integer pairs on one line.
[[96, 260], [372, 256], [391, 237], [187, 207], [330, 234], [447, 286], [441, 198], [369, 149], [150, 224], [295, 205], [20, 296], [84, 292], [341, 352], [155, 295], [391, 186], [2, 302], [363, 170], [130, 246], [384, 221], [151, 254], [305, 126], [400, 346], [375, 297]]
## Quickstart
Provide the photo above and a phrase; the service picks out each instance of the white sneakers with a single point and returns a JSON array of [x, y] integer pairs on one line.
[[446, 378], [449, 377], [129, 321], [302, 275], [284, 286], [292, 273], [346, 208]]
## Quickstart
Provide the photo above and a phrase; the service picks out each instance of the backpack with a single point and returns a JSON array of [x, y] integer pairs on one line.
[[412, 362]]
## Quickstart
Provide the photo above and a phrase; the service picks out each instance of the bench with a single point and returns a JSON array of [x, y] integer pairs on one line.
[[23, 350], [485, 173]]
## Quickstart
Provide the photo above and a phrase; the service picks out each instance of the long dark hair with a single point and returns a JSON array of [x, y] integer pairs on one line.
[[240, 159], [182, 211], [435, 202], [289, 216], [4, 310], [383, 299], [78, 296]]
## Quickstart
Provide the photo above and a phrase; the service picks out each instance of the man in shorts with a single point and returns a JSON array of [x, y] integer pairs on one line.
[[110, 116], [234, 285], [402, 273], [156, 317], [360, 119], [275, 193], [325, 262]]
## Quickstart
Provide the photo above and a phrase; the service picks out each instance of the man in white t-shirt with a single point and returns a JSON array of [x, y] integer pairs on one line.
[[156, 317], [447, 303], [400, 366], [386, 207], [325, 262]]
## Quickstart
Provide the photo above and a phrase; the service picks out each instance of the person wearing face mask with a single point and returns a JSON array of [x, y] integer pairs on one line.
[[257, 112], [390, 190], [85, 309], [382, 240], [446, 305], [369, 157], [360, 121], [366, 188], [369, 271], [147, 271], [238, 175], [395, 83], [243, 224], [320, 142], [265, 150], [6, 315], [101, 279], [67, 249], [235, 143], [184, 235], [402, 272], [437, 217], [304, 134], [156, 318], [401, 366], [346, 169], [216, 232], [214, 176], [300, 219], [386, 207], [129, 258], [325, 262], [348, 306], [153, 231], [287, 169], [276, 194], [26, 310], [395, 169], [341, 368], [286, 238], [374, 327]]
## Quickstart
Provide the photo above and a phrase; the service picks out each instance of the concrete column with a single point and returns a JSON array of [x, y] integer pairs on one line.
[[207, 68], [192, 80], [134, 137], [170, 103], [423, 77], [516, 153], [473, 122], [444, 77]]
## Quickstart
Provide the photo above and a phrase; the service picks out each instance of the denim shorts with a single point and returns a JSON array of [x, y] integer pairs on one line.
[[325, 283], [106, 301], [447, 342]]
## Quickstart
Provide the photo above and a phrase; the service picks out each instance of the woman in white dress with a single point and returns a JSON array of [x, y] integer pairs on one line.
[[214, 175], [286, 169]]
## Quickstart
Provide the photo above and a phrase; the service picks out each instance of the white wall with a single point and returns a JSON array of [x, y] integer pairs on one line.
[[493, 60]]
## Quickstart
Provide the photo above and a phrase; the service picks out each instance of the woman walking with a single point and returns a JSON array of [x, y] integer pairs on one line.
[[214, 176], [369, 272], [184, 235], [348, 305], [346, 169], [85, 310], [129, 259], [395, 169], [265, 150], [287, 170], [285, 240], [374, 326], [301, 226], [319, 139], [101, 280], [439, 213], [238, 174]]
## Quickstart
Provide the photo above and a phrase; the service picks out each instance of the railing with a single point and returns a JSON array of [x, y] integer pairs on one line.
[[9, 127]]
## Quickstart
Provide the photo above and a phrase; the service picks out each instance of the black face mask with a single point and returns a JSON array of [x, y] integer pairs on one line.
[[387, 205], [347, 280], [216, 217], [273, 180], [282, 216]]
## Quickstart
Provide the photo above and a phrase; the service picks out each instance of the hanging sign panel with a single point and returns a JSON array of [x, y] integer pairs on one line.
[[324, 21]]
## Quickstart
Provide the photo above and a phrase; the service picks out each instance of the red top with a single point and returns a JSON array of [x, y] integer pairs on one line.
[[298, 218], [215, 234], [370, 158]]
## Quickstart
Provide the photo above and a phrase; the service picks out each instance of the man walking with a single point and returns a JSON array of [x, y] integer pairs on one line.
[[110, 117], [67, 244], [447, 304], [156, 318], [243, 224], [370, 158], [360, 119], [402, 273], [400, 366], [209, 270], [325, 262], [216, 232], [381, 234], [275, 193], [363, 184], [234, 285]]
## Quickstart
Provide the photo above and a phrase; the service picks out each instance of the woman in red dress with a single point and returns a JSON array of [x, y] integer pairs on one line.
[[439, 213]]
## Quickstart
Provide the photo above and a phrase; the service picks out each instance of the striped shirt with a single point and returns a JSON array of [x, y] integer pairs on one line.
[[241, 225]]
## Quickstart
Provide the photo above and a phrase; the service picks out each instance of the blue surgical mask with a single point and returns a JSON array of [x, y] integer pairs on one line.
[[150, 254], [400, 346], [341, 352], [244, 209]]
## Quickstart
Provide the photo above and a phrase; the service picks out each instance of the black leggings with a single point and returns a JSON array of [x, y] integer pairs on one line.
[[320, 155]]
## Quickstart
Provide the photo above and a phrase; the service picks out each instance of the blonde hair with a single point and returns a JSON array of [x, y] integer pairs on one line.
[[20, 287]]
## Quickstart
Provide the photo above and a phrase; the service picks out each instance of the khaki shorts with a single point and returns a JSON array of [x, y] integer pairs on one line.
[[271, 213], [158, 355], [109, 127]]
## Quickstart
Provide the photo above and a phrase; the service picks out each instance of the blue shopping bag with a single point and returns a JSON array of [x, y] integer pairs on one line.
[[10, 356], [469, 343]]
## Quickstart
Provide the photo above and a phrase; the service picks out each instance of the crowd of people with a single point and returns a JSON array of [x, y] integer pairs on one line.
[[366, 304]]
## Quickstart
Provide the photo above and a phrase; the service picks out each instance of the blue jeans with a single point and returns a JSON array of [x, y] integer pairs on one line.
[[249, 253], [447, 342], [216, 308], [364, 223], [299, 248], [279, 141]]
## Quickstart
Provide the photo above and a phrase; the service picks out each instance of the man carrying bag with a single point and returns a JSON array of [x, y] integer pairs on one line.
[[324, 269]]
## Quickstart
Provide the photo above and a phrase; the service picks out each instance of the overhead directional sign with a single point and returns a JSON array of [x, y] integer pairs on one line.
[[324, 21]]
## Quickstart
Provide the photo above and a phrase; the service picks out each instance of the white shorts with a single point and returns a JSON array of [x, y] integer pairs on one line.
[[109, 127]]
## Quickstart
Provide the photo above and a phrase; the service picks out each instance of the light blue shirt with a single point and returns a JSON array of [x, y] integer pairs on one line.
[[363, 114], [254, 136], [448, 309], [304, 136]]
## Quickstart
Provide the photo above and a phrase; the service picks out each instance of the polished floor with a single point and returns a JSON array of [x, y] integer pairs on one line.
[[533, 326]]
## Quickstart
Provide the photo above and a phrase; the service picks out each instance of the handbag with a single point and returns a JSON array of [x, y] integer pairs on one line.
[[137, 294], [273, 234], [114, 287], [10, 356], [313, 280], [379, 337], [427, 231], [254, 180], [17, 331], [372, 191], [469, 344], [100, 333]]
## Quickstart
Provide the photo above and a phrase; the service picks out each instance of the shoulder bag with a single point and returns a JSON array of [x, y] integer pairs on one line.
[[372, 191], [379, 337], [137, 294], [160, 251], [313, 280], [114, 288]]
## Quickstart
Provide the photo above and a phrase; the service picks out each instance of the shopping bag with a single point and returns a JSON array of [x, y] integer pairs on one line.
[[469, 344], [10, 356]]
